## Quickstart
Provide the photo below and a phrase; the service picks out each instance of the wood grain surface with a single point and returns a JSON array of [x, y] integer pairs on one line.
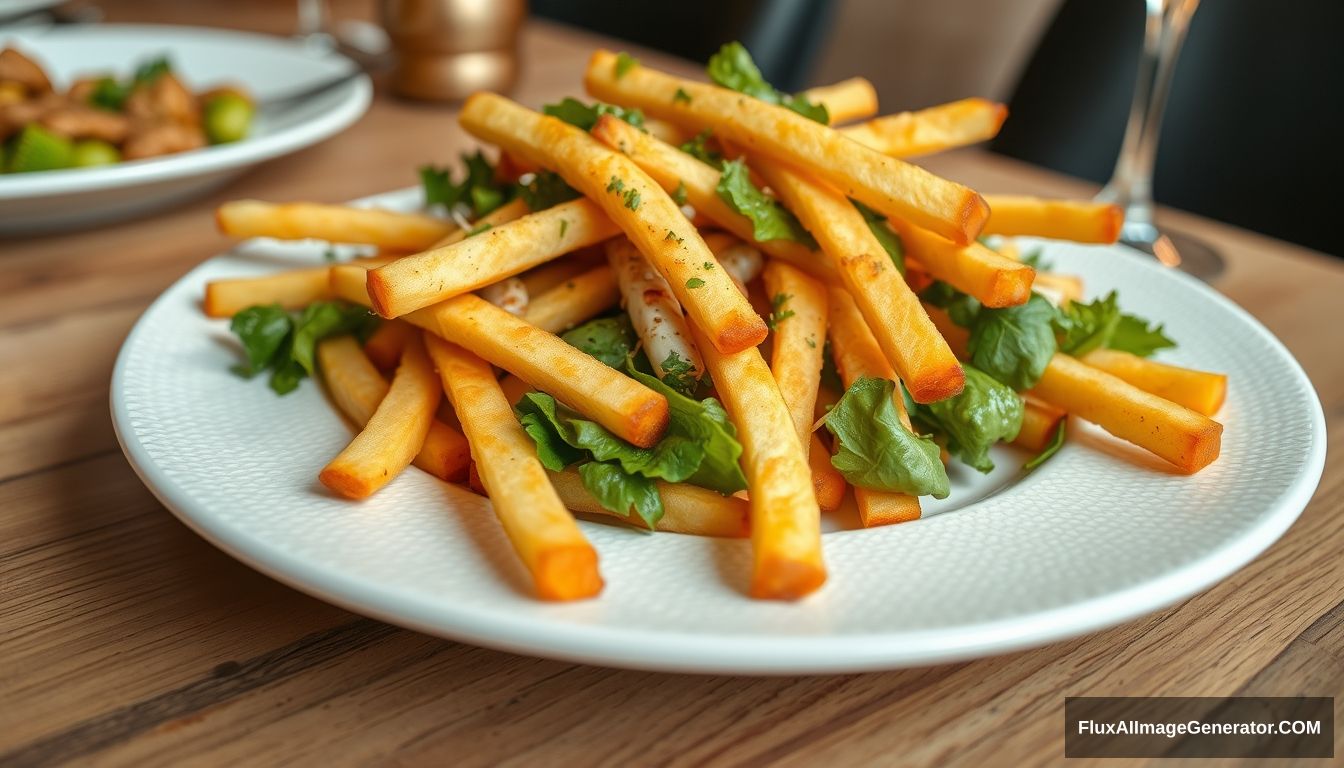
[[127, 640]]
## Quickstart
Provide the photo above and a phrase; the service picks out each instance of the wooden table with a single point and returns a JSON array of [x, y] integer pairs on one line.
[[125, 639]]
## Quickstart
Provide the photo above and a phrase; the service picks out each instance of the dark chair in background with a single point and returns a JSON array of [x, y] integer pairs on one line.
[[1252, 129], [783, 35]]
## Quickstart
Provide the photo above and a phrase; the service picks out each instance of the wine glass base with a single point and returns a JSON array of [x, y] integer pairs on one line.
[[1197, 257]]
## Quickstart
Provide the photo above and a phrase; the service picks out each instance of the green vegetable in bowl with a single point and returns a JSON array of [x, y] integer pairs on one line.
[[91, 152], [227, 117], [38, 149]]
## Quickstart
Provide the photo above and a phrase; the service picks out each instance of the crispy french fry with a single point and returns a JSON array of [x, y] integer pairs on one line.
[[554, 273], [609, 397], [1189, 440], [510, 211], [686, 508], [654, 312], [883, 183], [357, 388], [909, 134], [543, 533], [383, 348], [677, 171], [574, 301], [827, 482], [892, 311], [997, 281], [1200, 391], [394, 433], [785, 517], [665, 131], [800, 333], [1082, 221], [852, 99], [413, 282], [293, 289], [634, 202], [1039, 424], [333, 223], [514, 388], [857, 355]]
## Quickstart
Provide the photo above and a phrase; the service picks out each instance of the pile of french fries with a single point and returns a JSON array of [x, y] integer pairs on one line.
[[473, 310]]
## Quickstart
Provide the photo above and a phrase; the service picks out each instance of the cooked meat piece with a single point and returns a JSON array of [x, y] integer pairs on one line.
[[161, 138], [164, 100], [18, 114], [17, 68], [76, 121]]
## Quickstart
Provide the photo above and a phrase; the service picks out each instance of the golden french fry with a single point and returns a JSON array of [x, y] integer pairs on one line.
[[543, 533], [665, 131], [680, 173], [384, 346], [293, 289], [785, 517], [357, 388], [800, 333], [413, 282], [333, 223], [827, 482], [908, 134], [1060, 289], [892, 311], [1040, 422], [616, 401], [686, 508], [1082, 221], [993, 279], [554, 273], [852, 99], [394, 433], [857, 355], [1200, 391], [514, 388], [883, 183], [510, 211], [1189, 440], [634, 202], [574, 301]]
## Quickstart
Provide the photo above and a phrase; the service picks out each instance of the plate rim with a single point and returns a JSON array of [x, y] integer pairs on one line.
[[355, 98], [692, 652]]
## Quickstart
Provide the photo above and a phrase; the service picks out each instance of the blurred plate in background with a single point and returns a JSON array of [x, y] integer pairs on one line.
[[268, 67]]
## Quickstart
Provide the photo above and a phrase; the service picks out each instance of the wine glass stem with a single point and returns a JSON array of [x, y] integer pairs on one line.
[[1131, 184]]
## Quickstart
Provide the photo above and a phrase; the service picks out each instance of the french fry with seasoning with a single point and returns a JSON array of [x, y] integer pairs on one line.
[[634, 202], [993, 279], [542, 531], [680, 173], [852, 99], [883, 183], [1200, 391], [577, 300], [687, 509], [1082, 221], [799, 320], [394, 433], [627, 408], [418, 281], [892, 311], [654, 313], [334, 223], [510, 211], [384, 346], [357, 388], [857, 355], [1040, 422], [946, 126], [291, 289], [785, 518]]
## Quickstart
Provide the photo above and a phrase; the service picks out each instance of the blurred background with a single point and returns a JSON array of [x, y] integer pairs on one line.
[[1249, 135]]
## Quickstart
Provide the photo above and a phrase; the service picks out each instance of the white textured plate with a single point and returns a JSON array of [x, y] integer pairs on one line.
[[1100, 534], [267, 66]]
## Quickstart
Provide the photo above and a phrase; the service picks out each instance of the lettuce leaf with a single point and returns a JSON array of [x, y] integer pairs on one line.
[[622, 492], [609, 339], [479, 190], [732, 67], [984, 413], [769, 219], [1056, 443], [876, 451], [276, 340], [1014, 344], [1133, 335], [545, 190], [585, 116], [1085, 327], [698, 148]]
